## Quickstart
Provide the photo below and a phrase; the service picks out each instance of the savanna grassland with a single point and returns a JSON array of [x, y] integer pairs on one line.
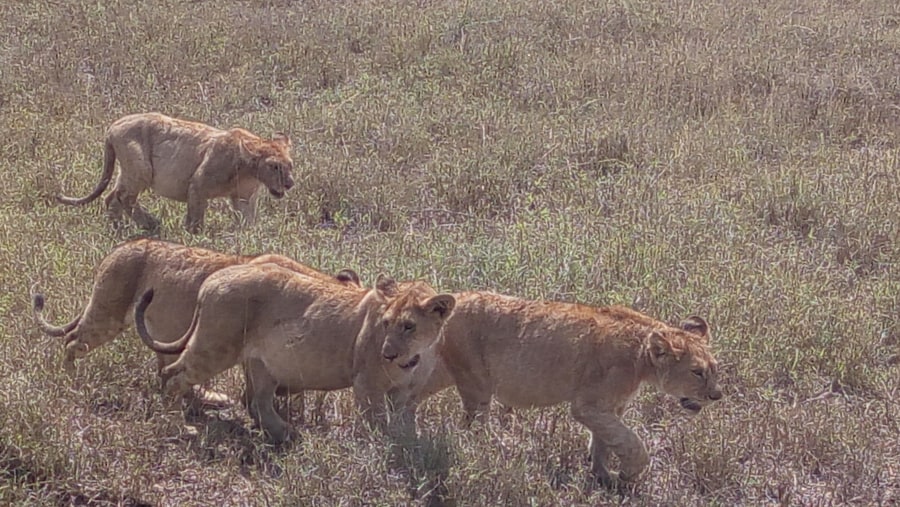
[[737, 160]]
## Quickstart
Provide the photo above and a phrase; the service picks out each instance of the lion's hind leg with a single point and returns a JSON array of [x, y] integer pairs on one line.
[[123, 200], [143, 218], [114, 208], [88, 336], [195, 367], [135, 176]]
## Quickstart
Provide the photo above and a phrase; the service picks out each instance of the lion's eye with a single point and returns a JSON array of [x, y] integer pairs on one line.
[[385, 324], [408, 326], [698, 373]]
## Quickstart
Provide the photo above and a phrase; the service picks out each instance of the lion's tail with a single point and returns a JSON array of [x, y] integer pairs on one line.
[[49, 329], [176, 347], [109, 163]]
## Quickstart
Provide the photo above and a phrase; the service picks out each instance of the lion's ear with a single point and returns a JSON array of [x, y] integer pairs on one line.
[[386, 285], [283, 138], [348, 276], [696, 325], [248, 152], [659, 348], [442, 305]]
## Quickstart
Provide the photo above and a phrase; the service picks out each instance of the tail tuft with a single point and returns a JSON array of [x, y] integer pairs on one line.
[[38, 302]]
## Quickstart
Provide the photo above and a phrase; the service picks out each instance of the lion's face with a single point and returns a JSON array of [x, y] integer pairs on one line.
[[412, 323], [685, 368], [275, 174], [275, 165]]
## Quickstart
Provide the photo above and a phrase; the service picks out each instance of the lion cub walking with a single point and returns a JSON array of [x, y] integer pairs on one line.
[[542, 353], [299, 332], [174, 271], [188, 162]]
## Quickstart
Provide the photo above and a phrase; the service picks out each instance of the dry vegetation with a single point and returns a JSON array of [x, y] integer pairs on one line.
[[732, 159]]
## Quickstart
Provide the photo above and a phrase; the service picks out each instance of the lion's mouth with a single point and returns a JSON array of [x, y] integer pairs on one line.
[[278, 194], [411, 363], [690, 405]]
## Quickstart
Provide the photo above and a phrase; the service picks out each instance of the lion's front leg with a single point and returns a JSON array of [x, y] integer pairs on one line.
[[196, 208], [262, 402], [608, 433], [371, 403], [401, 412], [254, 368], [245, 205], [598, 455]]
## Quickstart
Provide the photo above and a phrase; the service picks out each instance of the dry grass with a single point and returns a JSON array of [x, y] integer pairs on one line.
[[732, 159]]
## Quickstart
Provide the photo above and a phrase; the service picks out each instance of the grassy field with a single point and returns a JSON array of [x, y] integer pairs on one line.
[[737, 160]]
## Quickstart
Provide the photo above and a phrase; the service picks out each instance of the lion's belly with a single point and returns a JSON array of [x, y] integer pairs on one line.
[[518, 393], [168, 318], [532, 370], [167, 324], [305, 362], [173, 167], [174, 187]]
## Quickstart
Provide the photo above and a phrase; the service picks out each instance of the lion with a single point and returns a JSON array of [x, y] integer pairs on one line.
[[174, 271], [542, 353], [188, 162], [301, 332]]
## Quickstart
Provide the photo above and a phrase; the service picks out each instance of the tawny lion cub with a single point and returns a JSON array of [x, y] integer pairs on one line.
[[188, 162], [300, 332], [174, 271], [542, 353]]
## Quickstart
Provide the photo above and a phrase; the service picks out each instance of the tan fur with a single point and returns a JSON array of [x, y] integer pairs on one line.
[[188, 162], [541, 353], [301, 333], [174, 271]]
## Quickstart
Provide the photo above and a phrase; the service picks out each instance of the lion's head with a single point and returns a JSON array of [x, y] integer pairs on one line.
[[412, 320], [685, 367], [273, 162]]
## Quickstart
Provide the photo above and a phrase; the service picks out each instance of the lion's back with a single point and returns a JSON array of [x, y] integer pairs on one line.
[[175, 272]]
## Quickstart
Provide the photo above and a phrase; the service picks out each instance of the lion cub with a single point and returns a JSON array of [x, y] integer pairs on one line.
[[300, 332], [188, 162], [542, 353], [175, 272]]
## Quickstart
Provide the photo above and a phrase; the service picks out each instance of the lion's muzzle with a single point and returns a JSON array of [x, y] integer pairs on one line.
[[286, 183], [690, 405], [411, 363]]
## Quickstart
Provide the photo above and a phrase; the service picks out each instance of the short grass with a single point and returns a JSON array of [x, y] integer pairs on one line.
[[737, 160]]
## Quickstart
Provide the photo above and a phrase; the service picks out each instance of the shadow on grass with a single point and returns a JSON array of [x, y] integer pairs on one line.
[[424, 461], [222, 437], [16, 469]]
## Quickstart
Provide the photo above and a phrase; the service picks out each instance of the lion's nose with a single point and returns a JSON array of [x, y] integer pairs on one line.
[[715, 395], [288, 183]]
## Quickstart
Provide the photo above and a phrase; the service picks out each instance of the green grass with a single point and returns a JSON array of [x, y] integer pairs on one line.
[[736, 160]]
